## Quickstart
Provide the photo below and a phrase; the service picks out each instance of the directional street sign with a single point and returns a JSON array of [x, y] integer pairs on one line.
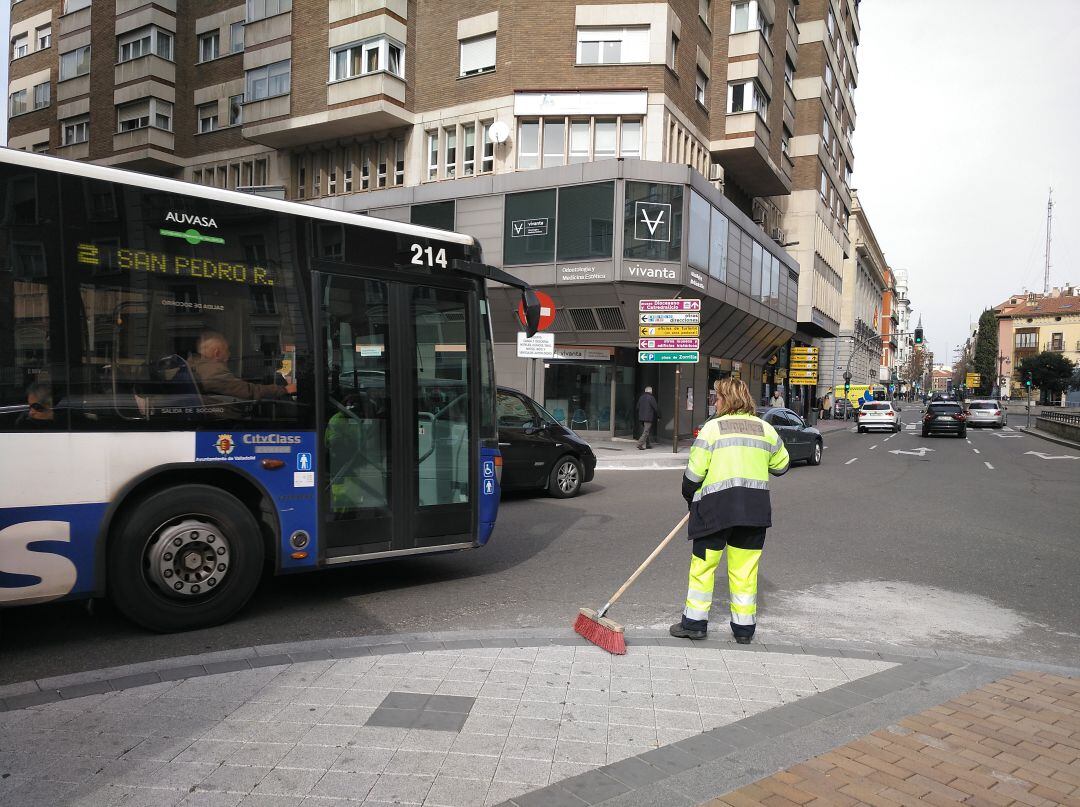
[[799, 380], [972, 380], [669, 344], [806, 351], [669, 330], [676, 304], [803, 365], [668, 357], [670, 319]]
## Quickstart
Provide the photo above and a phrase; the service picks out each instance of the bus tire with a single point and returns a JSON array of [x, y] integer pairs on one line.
[[183, 558], [565, 479]]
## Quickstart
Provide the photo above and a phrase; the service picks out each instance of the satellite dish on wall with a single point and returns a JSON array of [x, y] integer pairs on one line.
[[498, 132]]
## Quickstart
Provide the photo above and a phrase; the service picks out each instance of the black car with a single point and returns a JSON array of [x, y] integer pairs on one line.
[[803, 442], [944, 417], [537, 450]]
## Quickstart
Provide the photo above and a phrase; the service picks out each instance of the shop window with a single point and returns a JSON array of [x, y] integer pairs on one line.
[[586, 221], [718, 246], [528, 228], [698, 236], [652, 221]]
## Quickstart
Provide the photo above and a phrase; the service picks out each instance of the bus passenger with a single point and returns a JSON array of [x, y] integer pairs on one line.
[[213, 376], [39, 402]]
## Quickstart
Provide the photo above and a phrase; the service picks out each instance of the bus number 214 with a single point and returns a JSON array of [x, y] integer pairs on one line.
[[426, 256]]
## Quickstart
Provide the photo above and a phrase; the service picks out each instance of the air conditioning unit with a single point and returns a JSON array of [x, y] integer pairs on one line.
[[778, 235], [716, 172]]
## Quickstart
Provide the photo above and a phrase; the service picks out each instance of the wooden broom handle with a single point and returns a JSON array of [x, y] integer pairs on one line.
[[678, 527]]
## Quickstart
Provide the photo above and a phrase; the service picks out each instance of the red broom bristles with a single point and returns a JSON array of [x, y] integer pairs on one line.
[[604, 637]]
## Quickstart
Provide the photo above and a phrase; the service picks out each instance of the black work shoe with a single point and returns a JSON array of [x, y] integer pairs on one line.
[[679, 632], [742, 639]]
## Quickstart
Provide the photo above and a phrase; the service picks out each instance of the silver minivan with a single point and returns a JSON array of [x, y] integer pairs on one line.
[[986, 412]]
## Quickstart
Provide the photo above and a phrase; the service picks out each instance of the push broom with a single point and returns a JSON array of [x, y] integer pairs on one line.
[[606, 633]]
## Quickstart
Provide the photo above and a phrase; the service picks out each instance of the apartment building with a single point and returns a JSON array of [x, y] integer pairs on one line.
[[814, 216], [862, 346], [584, 120], [1032, 323]]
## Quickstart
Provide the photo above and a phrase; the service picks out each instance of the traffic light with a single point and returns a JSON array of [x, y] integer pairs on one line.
[[918, 336], [1027, 380], [847, 388]]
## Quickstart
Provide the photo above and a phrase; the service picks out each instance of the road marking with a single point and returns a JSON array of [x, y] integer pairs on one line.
[[1052, 456], [853, 459], [921, 451], [887, 439], [976, 451], [873, 446], [988, 465], [969, 442]]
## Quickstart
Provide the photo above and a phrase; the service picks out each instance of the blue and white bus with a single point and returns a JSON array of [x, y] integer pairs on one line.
[[198, 385]]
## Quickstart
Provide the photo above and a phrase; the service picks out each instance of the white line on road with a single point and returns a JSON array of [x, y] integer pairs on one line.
[[887, 439], [988, 465], [976, 451], [873, 446], [853, 459], [969, 442]]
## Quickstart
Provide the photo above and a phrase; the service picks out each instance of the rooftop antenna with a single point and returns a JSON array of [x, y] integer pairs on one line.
[[1049, 224]]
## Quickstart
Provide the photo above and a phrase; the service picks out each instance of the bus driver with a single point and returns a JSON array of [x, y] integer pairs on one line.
[[213, 376]]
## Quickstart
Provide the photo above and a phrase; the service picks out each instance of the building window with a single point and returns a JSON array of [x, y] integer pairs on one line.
[[748, 96], [75, 5], [141, 114], [450, 151], [362, 58], [789, 73], [75, 130], [673, 56], [236, 110], [704, 10], [468, 153], [1027, 339], [785, 142], [826, 130], [487, 160], [1057, 342], [554, 142], [824, 189], [585, 223], [828, 77], [209, 46], [529, 144], [613, 45], [365, 167], [749, 16], [604, 140], [380, 166], [143, 42], [399, 162], [236, 37], [75, 63], [44, 37], [268, 81], [17, 103], [40, 148], [630, 139], [579, 141], [258, 9], [42, 95], [20, 46], [433, 154], [701, 86], [208, 117], [477, 55]]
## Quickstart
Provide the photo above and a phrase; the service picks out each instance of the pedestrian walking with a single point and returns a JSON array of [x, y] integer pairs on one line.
[[647, 412], [726, 485], [777, 399]]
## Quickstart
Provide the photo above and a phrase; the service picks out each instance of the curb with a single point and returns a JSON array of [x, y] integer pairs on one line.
[[24, 694], [1050, 438]]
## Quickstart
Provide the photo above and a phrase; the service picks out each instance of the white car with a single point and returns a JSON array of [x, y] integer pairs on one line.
[[877, 415]]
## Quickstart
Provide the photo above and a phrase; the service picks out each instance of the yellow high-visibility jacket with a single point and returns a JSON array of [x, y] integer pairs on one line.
[[727, 476]]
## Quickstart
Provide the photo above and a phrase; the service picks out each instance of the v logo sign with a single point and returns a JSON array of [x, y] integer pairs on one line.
[[652, 224]]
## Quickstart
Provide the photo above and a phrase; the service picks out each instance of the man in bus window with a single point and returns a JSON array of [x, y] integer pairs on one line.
[[211, 371], [39, 407]]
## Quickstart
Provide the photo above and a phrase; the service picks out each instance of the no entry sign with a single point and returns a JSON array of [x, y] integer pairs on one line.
[[547, 311]]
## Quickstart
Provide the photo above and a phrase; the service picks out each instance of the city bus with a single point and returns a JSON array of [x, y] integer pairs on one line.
[[198, 386]]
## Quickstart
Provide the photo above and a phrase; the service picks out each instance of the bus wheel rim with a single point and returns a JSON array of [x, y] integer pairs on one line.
[[567, 477], [189, 558]]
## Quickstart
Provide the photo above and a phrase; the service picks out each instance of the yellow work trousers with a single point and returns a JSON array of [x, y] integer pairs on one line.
[[743, 545]]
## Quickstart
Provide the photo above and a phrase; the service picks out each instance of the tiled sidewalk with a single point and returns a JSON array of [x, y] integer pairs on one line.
[[1012, 742], [470, 726]]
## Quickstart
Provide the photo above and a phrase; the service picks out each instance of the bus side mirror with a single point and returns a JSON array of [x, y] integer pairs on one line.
[[531, 304]]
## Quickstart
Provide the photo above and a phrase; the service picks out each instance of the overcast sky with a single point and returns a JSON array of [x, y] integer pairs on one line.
[[967, 112]]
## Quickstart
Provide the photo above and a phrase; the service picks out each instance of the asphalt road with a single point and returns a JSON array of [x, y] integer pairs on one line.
[[970, 545]]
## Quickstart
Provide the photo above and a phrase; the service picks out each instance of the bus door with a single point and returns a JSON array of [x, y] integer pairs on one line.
[[397, 421]]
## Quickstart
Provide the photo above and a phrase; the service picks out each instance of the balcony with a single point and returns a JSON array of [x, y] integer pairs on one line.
[[148, 149], [744, 153], [73, 21], [72, 88], [149, 66]]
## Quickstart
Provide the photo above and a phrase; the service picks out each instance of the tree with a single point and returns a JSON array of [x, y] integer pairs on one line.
[[986, 351], [1050, 372], [915, 368]]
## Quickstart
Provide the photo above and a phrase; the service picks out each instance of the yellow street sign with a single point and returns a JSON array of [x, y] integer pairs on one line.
[[806, 351], [802, 373], [803, 365], [973, 380], [669, 330]]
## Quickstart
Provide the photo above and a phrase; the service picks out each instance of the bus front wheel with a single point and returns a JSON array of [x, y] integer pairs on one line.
[[187, 557]]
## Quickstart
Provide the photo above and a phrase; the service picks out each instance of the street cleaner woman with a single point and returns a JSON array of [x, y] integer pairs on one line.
[[727, 488]]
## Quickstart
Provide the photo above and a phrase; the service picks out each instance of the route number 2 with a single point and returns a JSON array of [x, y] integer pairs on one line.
[[426, 256]]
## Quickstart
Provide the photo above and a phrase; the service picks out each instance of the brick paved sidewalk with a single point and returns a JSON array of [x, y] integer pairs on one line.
[[1014, 741]]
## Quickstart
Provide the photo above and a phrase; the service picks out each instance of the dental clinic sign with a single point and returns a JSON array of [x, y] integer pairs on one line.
[[652, 221]]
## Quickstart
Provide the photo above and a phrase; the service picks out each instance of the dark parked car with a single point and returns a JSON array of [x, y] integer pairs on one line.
[[803, 442], [944, 417], [537, 450]]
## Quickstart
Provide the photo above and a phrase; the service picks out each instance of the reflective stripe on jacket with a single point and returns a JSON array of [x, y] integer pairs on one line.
[[728, 474]]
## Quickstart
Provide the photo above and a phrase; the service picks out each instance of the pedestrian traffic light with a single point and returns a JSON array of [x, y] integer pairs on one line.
[[1027, 381], [918, 336]]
